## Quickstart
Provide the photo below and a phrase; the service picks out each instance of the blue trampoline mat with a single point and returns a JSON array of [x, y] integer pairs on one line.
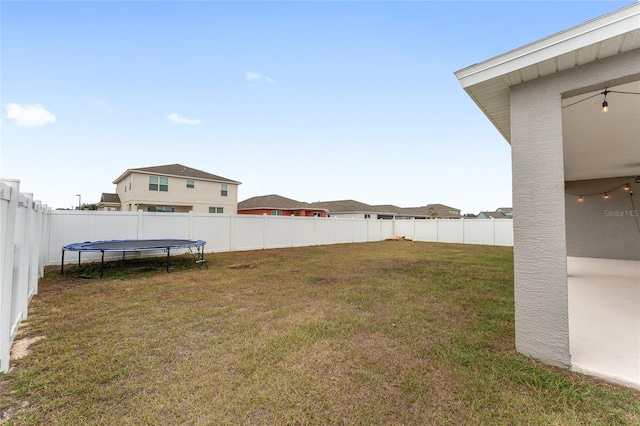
[[133, 245]]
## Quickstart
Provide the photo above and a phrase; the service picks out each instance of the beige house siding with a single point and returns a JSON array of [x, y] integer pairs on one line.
[[135, 194]]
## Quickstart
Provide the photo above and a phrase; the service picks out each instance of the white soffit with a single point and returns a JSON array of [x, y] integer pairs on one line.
[[488, 82]]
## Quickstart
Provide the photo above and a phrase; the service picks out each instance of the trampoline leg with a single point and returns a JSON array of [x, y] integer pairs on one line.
[[168, 253], [102, 264], [62, 264], [79, 257]]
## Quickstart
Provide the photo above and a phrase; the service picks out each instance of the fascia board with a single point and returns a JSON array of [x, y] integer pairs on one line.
[[591, 32]]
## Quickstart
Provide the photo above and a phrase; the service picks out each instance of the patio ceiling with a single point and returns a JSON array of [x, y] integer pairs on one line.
[[601, 145], [596, 145]]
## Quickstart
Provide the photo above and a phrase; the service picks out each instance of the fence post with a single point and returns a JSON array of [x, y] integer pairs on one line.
[[35, 247], [231, 229], [315, 230], [393, 226], [11, 194], [437, 231], [462, 222], [493, 231], [44, 239], [191, 224], [140, 230], [264, 231], [21, 263]]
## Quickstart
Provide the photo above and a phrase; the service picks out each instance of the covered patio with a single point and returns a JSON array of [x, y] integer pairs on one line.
[[575, 170]]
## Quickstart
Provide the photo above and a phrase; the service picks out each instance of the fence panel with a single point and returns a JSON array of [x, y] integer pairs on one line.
[[248, 232], [304, 231], [278, 231], [451, 231], [374, 230], [360, 230], [405, 228], [478, 231], [20, 291], [503, 231], [214, 229], [163, 225], [70, 226], [9, 194], [344, 230], [326, 231], [426, 230]]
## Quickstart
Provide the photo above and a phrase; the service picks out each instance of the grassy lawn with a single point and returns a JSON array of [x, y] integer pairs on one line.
[[378, 333]]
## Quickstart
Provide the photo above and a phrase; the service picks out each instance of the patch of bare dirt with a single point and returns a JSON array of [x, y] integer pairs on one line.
[[21, 347]]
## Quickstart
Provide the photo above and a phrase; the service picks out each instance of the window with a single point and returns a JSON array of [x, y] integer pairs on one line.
[[317, 214], [157, 183], [191, 184], [218, 210], [223, 189], [367, 216], [276, 212], [164, 209]]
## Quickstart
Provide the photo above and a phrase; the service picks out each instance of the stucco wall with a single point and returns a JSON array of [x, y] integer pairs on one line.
[[540, 249], [603, 227]]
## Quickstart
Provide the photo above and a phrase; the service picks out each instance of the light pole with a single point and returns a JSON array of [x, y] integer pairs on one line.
[[79, 200]]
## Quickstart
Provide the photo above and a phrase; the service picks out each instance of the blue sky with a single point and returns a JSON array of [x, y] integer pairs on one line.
[[314, 101]]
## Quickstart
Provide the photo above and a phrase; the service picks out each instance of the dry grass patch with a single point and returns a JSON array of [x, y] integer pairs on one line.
[[376, 333]]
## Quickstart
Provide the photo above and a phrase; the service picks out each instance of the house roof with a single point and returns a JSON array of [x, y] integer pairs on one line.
[[488, 82], [505, 209], [348, 206], [107, 197], [177, 170], [273, 201], [494, 215]]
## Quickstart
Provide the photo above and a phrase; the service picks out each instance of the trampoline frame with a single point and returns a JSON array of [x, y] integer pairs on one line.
[[135, 246]]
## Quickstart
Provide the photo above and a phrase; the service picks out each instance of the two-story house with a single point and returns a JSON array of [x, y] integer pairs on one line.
[[172, 188]]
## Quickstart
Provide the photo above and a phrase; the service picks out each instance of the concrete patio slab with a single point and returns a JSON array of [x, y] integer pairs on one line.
[[604, 318]]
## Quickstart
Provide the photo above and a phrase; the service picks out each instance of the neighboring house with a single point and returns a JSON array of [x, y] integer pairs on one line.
[[508, 211], [443, 212], [109, 202], [547, 99], [354, 209], [492, 215], [276, 205], [172, 188]]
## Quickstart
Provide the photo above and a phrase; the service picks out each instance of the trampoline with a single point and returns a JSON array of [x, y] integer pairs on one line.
[[135, 246]]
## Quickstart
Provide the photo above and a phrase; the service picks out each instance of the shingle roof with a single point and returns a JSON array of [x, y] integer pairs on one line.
[[444, 212], [272, 201], [177, 170], [494, 215], [343, 206], [109, 198]]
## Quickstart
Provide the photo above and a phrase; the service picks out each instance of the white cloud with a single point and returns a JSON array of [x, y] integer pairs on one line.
[[253, 76], [175, 118], [29, 115]]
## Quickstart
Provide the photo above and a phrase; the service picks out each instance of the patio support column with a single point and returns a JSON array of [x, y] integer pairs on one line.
[[541, 293]]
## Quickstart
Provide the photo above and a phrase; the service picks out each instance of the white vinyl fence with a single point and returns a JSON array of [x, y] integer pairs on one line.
[[24, 237], [250, 232]]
